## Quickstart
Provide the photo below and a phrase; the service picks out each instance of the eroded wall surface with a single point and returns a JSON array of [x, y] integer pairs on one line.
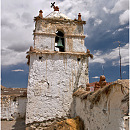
[[13, 107], [51, 84], [106, 114], [45, 33]]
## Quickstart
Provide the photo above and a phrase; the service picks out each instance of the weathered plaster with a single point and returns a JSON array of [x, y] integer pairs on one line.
[[13, 107], [52, 75], [51, 84], [44, 35], [107, 114], [44, 42]]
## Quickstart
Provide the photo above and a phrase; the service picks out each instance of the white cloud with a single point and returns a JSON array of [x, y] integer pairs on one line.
[[12, 57], [97, 52], [124, 18], [86, 35], [18, 70], [115, 63], [124, 72], [96, 77], [97, 22], [114, 32], [125, 60], [113, 56], [127, 27], [120, 29], [120, 5], [106, 10], [17, 22], [97, 60], [108, 31]]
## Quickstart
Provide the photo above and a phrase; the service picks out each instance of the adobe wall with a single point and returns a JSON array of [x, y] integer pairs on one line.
[[13, 108], [45, 42], [45, 33], [51, 84], [51, 26], [105, 114]]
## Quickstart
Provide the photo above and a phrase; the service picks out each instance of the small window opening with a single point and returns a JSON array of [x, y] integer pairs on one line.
[[14, 100], [78, 59], [40, 57], [59, 41]]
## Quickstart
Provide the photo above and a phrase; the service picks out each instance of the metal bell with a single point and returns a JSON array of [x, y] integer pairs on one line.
[[59, 45]]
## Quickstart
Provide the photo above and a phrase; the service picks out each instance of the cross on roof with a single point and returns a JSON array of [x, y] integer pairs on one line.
[[52, 4]]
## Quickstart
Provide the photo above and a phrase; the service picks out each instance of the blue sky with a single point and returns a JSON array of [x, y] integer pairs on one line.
[[106, 22]]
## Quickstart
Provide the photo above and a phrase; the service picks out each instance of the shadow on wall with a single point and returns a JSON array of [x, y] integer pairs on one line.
[[19, 125]]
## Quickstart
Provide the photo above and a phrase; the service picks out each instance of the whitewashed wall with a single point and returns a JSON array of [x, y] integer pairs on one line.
[[22, 106], [107, 114], [11, 110], [44, 42], [51, 84], [78, 45], [45, 32]]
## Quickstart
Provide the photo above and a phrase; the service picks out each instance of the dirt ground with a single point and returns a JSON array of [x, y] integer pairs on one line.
[[13, 125]]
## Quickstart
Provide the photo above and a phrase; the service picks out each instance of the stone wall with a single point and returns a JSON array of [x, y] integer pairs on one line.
[[13, 108], [101, 110], [51, 84]]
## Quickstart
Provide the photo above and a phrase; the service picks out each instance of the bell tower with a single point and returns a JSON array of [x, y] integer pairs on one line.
[[58, 64]]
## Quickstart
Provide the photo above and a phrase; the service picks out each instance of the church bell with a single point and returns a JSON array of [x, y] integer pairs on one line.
[[59, 45]]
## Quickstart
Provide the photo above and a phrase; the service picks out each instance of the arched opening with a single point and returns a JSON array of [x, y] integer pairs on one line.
[[59, 41]]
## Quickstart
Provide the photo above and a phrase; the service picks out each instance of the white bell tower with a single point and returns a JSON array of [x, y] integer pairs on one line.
[[56, 66]]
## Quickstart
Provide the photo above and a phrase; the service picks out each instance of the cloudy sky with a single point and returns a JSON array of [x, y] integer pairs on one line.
[[106, 22]]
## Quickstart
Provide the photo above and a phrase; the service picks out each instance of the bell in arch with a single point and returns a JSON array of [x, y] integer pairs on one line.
[[59, 44]]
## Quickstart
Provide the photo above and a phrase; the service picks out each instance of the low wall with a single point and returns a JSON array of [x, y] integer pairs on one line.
[[13, 108], [101, 110]]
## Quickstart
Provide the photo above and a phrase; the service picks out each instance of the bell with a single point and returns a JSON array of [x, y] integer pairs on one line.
[[59, 45]]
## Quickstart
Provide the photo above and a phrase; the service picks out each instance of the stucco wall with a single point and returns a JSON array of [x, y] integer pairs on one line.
[[13, 108], [51, 26], [78, 44], [45, 33], [107, 114], [44, 42], [51, 84]]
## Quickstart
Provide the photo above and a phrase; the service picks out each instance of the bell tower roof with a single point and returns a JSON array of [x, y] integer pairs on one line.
[[57, 15]]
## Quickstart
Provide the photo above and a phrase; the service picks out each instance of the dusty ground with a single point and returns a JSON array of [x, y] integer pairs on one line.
[[13, 125]]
